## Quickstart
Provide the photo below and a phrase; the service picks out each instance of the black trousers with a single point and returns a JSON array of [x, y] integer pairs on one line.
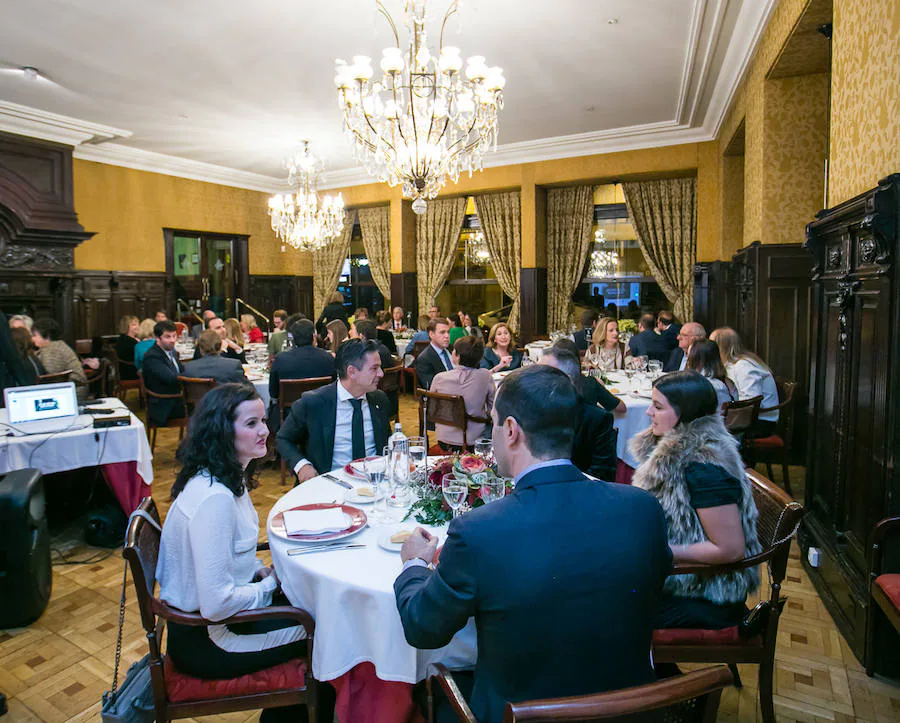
[[688, 612]]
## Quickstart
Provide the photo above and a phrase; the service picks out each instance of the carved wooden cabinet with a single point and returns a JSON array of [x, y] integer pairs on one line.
[[853, 427]]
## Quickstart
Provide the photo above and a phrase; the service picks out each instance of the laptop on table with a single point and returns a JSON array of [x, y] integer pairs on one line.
[[41, 409]]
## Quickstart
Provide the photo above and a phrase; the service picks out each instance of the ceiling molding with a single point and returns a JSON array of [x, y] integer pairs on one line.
[[698, 12], [712, 42], [24, 121]]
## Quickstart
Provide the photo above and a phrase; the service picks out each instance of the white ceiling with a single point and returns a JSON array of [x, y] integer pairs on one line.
[[178, 85]]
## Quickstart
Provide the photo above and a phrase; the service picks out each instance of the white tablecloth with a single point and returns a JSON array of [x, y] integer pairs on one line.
[[262, 388], [351, 596], [79, 446], [635, 418], [536, 349]]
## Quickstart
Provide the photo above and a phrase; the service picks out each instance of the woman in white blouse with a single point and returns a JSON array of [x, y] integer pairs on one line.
[[751, 376], [207, 556], [704, 357]]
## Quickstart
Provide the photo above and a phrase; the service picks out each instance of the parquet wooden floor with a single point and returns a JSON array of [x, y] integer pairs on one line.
[[57, 668]]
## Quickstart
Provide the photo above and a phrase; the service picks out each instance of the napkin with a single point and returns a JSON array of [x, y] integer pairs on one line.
[[313, 522]]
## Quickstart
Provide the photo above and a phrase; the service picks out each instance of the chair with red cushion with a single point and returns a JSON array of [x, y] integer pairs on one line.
[[776, 447], [884, 589], [177, 695], [754, 640], [690, 698]]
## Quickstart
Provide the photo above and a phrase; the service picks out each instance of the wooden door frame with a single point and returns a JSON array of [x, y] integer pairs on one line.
[[240, 260]]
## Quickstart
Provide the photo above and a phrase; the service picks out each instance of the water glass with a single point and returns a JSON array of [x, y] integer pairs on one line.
[[654, 366], [493, 489], [484, 448], [417, 451], [376, 473], [454, 492], [398, 468]]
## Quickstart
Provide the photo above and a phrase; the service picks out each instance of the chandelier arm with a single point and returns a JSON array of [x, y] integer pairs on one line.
[[454, 7], [383, 10]]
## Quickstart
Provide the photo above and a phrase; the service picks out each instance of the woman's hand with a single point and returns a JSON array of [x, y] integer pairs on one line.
[[505, 361], [264, 572]]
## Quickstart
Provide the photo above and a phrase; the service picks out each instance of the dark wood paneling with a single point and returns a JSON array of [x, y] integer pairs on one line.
[[533, 304], [713, 294], [101, 298], [404, 292], [291, 293]]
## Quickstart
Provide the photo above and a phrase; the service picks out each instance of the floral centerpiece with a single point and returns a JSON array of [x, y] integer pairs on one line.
[[431, 508]]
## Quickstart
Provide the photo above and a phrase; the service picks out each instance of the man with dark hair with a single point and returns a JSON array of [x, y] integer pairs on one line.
[[340, 422], [303, 361], [594, 446], [647, 342], [434, 358], [366, 330], [160, 369], [587, 559], [591, 390], [161, 316], [668, 328], [211, 364], [589, 320]]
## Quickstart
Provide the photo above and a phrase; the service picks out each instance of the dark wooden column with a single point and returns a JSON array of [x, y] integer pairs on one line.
[[404, 293], [533, 304]]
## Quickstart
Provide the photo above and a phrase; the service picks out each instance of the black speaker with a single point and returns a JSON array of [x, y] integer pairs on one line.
[[25, 571]]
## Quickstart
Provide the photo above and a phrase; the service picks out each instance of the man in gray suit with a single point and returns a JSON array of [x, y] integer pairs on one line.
[[211, 365]]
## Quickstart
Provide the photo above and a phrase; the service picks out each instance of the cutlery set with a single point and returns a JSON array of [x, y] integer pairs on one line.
[[327, 547]]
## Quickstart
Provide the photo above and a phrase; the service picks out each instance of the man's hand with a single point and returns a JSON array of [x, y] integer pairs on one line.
[[421, 544], [306, 472]]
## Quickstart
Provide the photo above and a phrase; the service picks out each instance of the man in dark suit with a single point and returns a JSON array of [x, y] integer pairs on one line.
[[211, 364], [367, 331], [434, 358], [303, 361], [668, 328], [589, 320], [198, 329], [687, 335], [562, 576], [594, 446], [647, 342], [346, 420], [160, 370]]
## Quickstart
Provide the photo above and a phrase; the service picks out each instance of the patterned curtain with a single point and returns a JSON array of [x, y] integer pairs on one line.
[[501, 220], [664, 214], [327, 264], [437, 234], [375, 226], [570, 218]]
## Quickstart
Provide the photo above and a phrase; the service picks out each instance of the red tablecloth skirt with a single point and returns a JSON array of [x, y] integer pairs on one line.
[[362, 697], [126, 484]]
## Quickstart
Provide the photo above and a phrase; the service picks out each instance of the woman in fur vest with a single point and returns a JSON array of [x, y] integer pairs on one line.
[[690, 462]]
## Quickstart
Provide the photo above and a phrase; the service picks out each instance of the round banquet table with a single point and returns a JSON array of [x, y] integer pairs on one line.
[[635, 419], [350, 595]]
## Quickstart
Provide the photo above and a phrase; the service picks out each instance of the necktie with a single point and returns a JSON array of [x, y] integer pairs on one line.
[[358, 435], [172, 359], [447, 362]]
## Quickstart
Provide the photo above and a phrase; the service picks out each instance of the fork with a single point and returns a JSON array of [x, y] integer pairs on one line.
[[323, 548]]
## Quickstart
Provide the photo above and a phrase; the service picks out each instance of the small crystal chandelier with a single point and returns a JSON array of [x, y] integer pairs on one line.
[[477, 250], [603, 263], [423, 119], [299, 219]]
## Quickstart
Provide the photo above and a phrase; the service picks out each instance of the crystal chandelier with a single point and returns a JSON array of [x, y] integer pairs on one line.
[[477, 250], [299, 219], [423, 119], [604, 263]]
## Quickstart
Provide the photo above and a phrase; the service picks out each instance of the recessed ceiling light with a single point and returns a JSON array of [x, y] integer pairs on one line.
[[612, 21]]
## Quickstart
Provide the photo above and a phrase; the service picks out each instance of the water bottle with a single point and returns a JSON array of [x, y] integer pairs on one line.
[[397, 436]]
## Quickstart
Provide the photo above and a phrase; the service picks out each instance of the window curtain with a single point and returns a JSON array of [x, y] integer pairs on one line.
[[501, 221], [375, 226], [570, 219], [664, 214], [327, 264], [437, 236]]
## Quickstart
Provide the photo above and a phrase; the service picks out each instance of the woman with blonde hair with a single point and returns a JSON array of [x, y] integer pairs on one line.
[[147, 340], [501, 354], [606, 352], [129, 328], [337, 335], [249, 327], [750, 375], [334, 309], [234, 341]]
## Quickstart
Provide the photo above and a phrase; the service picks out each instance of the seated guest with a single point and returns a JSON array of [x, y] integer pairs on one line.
[[129, 333], [434, 312], [276, 338], [14, 371], [234, 340], [420, 335], [24, 344], [334, 309], [160, 369], [612, 353], [397, 323], [705, 358], [346, 420], [21, 320], [361, 314], [302, 361], [147, 340], [587, 559], [647, 342], [668, 328], [470, 326], [751, 376], [591, 389], [366, 330], [456, 330], [501, 354], [250, 329], [687, 335], [160, 316], [198, 329], [211, 364], [57, 356], [434, 358], [473, 384], [691, 464], [207, 553], [584, 335], [337, 334], [383, 328], [594, 446]]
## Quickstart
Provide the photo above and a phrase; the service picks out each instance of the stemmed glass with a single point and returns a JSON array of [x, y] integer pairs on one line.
[[398, 466], [484, 448], [376, 472], [493, 489], [418, 456], [454, 492]]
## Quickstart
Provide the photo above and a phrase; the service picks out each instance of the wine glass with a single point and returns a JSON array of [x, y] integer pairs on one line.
[[454, 492], [417, 451], [484, 448], [398, 466], [376, 473], [492, 489]]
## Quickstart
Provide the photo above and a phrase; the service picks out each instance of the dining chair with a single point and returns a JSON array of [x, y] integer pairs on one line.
[[741, 414], [692, 697], [884, 590], [390, 384], [448, 409], [289, 391], [57, 378], [126, 385], [753, 640], [180, 423], [195, 388], [177, 695], [83, 347], [777, 446], [99, 376]]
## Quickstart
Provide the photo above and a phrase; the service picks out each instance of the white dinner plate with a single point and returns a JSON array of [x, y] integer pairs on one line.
[[384, 540], [356, 499]]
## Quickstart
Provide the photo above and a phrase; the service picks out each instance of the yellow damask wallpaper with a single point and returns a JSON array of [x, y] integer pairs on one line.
[[865, 104]]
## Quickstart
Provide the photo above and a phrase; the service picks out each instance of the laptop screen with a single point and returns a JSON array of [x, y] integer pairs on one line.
[[44, 401]]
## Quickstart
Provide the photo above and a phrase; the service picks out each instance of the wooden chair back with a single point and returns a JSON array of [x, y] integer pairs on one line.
[[447, 409], [741, 414], [83, 346], [100, 374], [390, 382], [195, 388], [56, 378], [785, 409], [418, 348], [290, 390]]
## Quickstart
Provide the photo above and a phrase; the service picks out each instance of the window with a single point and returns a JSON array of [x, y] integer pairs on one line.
[[355, 281]]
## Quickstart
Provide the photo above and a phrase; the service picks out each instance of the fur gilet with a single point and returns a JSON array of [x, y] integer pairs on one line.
[[663, 461]]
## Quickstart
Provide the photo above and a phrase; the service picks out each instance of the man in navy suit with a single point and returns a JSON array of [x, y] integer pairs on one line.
[[589, 321], [160, 370], [434, 358], [668, 328], [335, 424], [303, 361], [648, 342], [563, 575], [687, 335]]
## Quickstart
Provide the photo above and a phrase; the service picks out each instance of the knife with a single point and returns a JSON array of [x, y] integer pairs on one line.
[[345, 485], [323, 548]]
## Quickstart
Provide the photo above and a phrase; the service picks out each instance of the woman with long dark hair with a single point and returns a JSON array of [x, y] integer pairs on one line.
[[207, 556], [691, 464], [704, 358]]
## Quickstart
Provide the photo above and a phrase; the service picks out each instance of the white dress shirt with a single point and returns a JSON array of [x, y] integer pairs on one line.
[[343, 431], [753, 380], [684, 356]]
